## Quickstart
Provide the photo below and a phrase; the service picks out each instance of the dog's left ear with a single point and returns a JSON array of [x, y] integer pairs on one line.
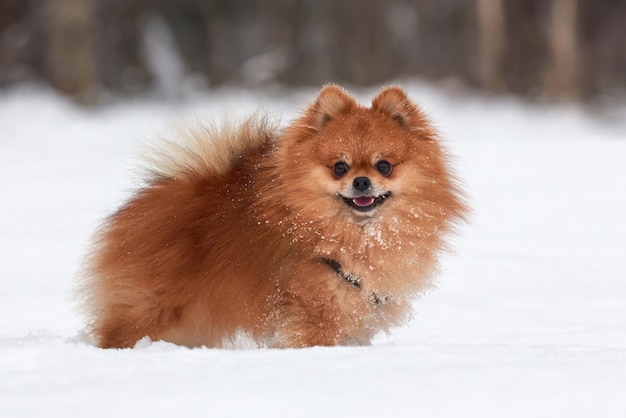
[[394, 103]]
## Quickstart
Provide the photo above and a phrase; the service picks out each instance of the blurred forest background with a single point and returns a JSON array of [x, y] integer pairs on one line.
[[572, 50]]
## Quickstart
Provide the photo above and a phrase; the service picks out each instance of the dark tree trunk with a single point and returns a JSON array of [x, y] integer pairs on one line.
[[70, 54]]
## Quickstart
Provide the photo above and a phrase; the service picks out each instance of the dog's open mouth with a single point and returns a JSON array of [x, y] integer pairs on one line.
[[365, 203]]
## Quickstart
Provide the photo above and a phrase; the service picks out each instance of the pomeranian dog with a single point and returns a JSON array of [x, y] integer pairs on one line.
[[318, 234]]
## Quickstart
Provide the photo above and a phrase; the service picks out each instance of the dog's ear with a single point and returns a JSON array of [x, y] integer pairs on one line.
[[331, 102], [394, 103]]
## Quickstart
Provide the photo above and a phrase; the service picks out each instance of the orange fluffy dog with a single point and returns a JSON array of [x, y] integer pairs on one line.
[[317, 235]]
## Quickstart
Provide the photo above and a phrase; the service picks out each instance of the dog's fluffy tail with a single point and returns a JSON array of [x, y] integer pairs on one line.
[[204, 149]]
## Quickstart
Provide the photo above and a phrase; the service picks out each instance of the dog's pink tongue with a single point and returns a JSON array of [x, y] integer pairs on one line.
[[363, 201]]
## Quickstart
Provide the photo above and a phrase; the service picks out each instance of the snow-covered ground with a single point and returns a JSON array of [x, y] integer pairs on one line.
[[528, 318]]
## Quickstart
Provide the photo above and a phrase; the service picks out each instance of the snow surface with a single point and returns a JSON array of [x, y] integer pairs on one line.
[[528, 318]]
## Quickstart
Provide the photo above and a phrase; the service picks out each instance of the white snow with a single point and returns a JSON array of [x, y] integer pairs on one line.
[[528, 318]]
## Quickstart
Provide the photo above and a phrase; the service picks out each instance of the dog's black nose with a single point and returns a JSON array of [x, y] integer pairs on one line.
[[361, 183]]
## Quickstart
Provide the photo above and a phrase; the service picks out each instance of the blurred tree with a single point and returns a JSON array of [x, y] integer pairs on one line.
[[527, 51], [70, 54], [118, 45], [21, 48], [361, 39], [444, 44], [602, 37], [563, 67], [493, 43]]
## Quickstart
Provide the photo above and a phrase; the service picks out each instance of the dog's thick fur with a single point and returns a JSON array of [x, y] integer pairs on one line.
[[255, 230]]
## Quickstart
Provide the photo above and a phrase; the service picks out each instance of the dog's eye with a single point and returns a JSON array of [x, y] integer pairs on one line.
[[383, 167], [340, 169]]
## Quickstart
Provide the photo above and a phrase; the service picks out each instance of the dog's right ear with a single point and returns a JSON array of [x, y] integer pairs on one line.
[[331, 102]]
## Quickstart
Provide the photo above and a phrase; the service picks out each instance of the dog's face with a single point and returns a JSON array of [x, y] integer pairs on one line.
[[344, 160], [359, 169]]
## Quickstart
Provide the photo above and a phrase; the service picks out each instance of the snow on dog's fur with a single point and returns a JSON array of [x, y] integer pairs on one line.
[[320, 234]]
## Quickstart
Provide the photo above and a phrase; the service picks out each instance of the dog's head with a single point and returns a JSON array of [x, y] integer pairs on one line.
[[342, 159]]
